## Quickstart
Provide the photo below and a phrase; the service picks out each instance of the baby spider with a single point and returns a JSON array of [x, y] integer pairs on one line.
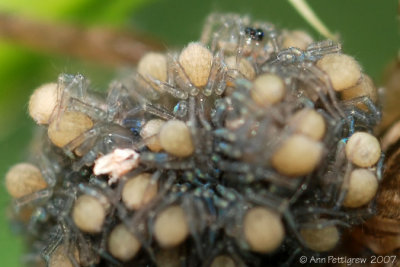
[[236, 35]]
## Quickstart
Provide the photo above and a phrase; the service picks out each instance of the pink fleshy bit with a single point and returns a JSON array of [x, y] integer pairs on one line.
[[116, 163]]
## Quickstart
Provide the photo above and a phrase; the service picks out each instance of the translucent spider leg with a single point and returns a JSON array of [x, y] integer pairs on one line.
[[33, 198], [216, 79], [196, 214], [324, 223], [182, 79], [51, 246], [69, 86], [96, 113], [370, 117]]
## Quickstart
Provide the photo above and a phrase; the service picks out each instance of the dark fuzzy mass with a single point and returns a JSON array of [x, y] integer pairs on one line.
[[226, 167]]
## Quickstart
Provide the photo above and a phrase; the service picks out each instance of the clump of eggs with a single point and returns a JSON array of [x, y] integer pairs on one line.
[[236, 150]]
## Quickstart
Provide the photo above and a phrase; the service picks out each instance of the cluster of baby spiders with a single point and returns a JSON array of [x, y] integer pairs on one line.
[[239, 150]]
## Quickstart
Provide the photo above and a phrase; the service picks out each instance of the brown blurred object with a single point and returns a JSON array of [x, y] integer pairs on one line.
[[391, 97], [106, 46]]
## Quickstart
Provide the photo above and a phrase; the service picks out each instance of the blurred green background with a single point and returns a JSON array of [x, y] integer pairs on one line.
[[368, 29]]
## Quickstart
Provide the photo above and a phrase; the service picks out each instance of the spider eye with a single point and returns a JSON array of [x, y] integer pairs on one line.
[[259, 34], [250, 32]]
